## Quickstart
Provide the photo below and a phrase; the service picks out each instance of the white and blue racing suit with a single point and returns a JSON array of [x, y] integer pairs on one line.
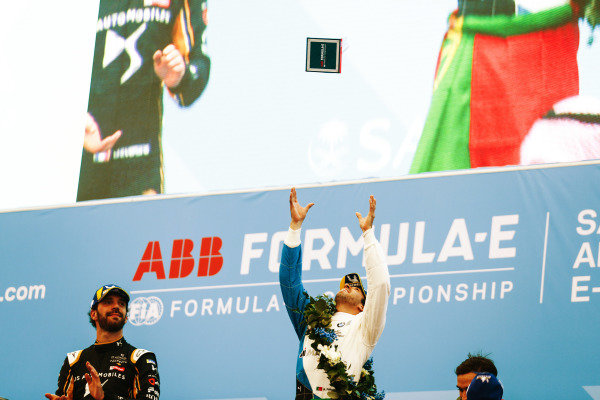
[[356, 334]]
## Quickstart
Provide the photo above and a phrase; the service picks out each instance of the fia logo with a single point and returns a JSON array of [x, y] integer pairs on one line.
[[115, 44], [145, 311]]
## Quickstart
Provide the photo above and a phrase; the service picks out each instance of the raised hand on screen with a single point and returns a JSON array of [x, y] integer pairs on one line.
[[169, 65], [92, 139]]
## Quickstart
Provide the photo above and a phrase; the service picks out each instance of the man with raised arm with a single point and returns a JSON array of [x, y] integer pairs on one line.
[[111, 368], [336, 338]]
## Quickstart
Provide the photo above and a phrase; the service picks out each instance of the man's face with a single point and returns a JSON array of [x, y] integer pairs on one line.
[[462, 383], [350, 295], [111, 313]]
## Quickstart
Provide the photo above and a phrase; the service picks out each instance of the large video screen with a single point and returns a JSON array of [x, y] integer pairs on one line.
[[169, 96]]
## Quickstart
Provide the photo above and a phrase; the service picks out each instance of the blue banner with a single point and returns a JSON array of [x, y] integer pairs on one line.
[[503, 262]]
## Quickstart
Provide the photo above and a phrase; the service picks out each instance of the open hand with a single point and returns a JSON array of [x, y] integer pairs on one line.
[[92, 139], [93, 381], [366, 222], [297, 212]]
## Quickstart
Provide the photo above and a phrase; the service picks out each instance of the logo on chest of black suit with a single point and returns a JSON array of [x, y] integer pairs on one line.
[[118, 359]]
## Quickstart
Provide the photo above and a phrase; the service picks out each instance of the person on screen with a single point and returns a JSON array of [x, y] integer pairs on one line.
[[111, 368], [335, 335], [569, 132], [468, 369], [141, 47], [502, 65]]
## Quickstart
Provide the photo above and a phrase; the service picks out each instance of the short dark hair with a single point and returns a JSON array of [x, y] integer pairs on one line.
[[476, 363]]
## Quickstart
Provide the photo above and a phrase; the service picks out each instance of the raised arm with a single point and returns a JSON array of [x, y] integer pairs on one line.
[[297, 212], [190, 42], [290, 270], [378, 279], [366, 222]]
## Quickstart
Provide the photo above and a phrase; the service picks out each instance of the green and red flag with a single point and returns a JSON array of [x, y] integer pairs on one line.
[[495, 77]]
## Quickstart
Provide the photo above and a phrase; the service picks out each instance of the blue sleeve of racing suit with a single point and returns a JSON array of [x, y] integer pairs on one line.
[[290, 280]]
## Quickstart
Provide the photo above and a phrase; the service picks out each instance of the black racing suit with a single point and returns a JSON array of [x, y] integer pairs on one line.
[[125, 372], [126, 94]]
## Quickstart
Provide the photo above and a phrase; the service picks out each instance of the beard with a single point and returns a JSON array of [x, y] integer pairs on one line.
[[111, 326], [343, 297]]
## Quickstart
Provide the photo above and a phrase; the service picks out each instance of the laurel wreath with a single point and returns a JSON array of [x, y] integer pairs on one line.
[[318, 315]]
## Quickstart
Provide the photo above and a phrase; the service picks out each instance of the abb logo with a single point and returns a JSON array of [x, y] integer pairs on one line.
[[210, 260]]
